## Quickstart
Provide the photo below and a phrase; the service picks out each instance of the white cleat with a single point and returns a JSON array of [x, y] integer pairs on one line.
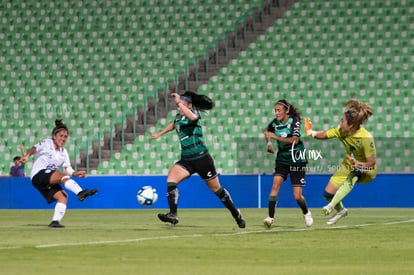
[[268, 222], [327, 209], [308, 219], [339, 215]]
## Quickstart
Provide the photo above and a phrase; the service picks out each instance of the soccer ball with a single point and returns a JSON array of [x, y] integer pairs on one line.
[[147, 195]]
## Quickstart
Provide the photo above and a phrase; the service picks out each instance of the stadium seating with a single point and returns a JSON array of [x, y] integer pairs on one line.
[[95, 65], [319, 55], [96, 60]]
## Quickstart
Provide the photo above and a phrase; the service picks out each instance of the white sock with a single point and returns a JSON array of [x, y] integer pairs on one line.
[[60, 209], [71, 185]]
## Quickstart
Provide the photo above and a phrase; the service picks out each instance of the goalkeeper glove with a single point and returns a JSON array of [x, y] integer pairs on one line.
[[308, 128]]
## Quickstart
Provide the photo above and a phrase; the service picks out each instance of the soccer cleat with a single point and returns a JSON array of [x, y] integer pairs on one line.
[[240, 221], [327, 209], [82, 195], [339, 215], [308, 219], [268, 222], [56, 224], [169, 217]]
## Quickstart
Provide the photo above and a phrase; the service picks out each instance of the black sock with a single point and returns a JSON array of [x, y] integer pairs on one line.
[[172, 196], [328, 197], [225, 198], [271, 205], [302, 205]]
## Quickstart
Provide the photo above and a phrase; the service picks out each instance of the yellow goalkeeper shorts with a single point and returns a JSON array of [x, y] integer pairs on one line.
[[344, 170]]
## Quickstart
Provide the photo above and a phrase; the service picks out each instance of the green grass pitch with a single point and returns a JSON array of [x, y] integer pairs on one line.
[[206, 241]]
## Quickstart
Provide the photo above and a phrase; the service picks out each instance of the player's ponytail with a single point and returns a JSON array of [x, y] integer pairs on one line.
[[201, 102]]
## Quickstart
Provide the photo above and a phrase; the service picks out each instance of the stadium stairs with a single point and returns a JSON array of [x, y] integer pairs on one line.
[[208, 66]]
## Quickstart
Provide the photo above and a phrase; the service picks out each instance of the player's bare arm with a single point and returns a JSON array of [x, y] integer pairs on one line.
[[183, 107], [26, 156], [167, 129], [270, 135]]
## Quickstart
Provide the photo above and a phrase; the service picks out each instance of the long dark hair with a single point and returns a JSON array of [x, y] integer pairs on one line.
[[292, 110], [201, 102], [59, 126]]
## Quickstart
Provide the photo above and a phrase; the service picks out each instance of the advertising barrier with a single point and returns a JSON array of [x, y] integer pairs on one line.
[[247, 191]]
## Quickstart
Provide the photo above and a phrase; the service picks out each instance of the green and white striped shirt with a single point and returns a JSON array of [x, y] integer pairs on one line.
[[191, 136]]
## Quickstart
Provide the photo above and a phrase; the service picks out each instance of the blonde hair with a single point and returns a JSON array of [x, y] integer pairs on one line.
[[357, 112]]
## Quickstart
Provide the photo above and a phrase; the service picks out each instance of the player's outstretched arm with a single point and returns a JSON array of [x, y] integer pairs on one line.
[[312, 133], [26, 156], [167, 129]]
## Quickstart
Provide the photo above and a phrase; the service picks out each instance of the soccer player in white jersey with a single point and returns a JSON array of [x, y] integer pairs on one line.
[[49, 156]]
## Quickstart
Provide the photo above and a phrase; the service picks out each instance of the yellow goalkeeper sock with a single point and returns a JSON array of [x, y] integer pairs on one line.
[[344, 189]]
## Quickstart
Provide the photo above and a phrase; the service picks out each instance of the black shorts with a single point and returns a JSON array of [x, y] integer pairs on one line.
[[203, 166], [41, 181], [296, 172]]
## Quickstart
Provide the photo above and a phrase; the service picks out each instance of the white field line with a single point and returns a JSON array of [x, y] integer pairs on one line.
[[242, 232]]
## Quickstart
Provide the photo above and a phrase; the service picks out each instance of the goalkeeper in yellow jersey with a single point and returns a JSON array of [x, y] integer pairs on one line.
[[359, 164]]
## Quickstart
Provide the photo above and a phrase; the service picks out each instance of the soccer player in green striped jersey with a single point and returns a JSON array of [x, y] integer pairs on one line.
[[290, 159], [359, 164], [195, 157]]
